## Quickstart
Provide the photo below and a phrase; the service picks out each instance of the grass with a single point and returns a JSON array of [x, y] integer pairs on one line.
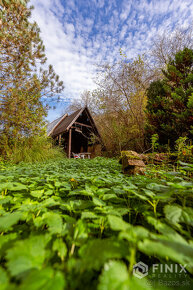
[[29, 150]]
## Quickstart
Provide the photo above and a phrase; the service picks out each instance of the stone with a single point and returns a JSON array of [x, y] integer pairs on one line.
[[135, 162], [132, 163]]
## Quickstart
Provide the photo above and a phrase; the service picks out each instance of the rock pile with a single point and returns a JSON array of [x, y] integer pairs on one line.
[[132, 163]]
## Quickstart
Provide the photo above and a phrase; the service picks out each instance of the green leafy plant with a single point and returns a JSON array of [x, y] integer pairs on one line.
[[154, 142], [82, 224], [181, 145]]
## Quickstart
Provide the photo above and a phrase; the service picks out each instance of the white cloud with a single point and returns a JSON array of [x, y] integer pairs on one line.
[[77, 39], [101, 3], [65, 51]]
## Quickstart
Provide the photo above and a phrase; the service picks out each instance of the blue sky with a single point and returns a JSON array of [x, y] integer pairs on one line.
[[79, 34]]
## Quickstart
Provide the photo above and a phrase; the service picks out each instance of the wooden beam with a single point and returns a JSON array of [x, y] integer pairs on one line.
[[59, 142], [81, 124], [69, 143]]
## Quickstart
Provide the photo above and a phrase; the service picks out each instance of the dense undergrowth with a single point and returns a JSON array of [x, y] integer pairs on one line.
[[29, 149], [82, 224]]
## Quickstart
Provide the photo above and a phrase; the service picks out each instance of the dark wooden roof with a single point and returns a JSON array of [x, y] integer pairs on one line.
[[63, 123], [63, 126], [52, 125]]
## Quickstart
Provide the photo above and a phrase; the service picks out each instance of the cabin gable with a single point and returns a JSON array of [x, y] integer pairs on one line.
[[74, 132]]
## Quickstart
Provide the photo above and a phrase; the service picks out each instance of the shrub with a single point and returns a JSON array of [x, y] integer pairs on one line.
[[30, 149]]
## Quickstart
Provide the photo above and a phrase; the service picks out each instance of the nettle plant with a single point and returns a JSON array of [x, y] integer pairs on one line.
[[82, 224]]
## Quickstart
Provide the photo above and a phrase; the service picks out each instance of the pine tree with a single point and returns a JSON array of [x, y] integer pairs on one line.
[[170, 101], [24, 82]]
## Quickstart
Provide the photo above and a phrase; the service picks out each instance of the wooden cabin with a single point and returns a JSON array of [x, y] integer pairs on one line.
[[75, 133]]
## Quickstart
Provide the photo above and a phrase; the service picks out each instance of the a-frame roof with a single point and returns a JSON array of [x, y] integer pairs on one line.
[[51, 126], [64, 123]]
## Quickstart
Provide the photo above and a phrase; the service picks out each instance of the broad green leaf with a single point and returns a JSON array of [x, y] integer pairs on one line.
[[54, 222], [98, 201], [36, 279], [6, 241], [80, 231], [96, 252], [117, 223], [26, 254], [180, 185], [116, 211], [37, 193], [187, 216], [143, 284], [50, 202], [85, 192], [88, 215], [178, 252], [60, 247], [49, 192], [38, 221], [4, 280], [5, 199], [101, 191], [80, 204], [149, 193], [176, 214], [57, 282], [134, 234], [9, 219], [110, 196], [58, 184], [135, 193], [114, 276], [157, 187], [15, 186], [44, 279], [173, 213], [166, 230]]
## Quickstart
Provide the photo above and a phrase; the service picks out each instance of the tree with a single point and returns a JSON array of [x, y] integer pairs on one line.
[[86, 99], [24, 83], [170, 101], [121, 100], [167, 44], [118, 103]]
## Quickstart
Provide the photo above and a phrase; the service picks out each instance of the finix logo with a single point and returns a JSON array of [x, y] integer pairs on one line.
[[168, 268], [140, 270]]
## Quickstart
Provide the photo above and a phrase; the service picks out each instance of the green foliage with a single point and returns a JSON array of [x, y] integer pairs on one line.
[[82, 224], [30, 149], [8, 220], [114, 276], [181, 144], [184, 149], [4, 280], [26, 254], [24, 82], [169, 106], [154, 142], [47, 278], [190, 102]]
